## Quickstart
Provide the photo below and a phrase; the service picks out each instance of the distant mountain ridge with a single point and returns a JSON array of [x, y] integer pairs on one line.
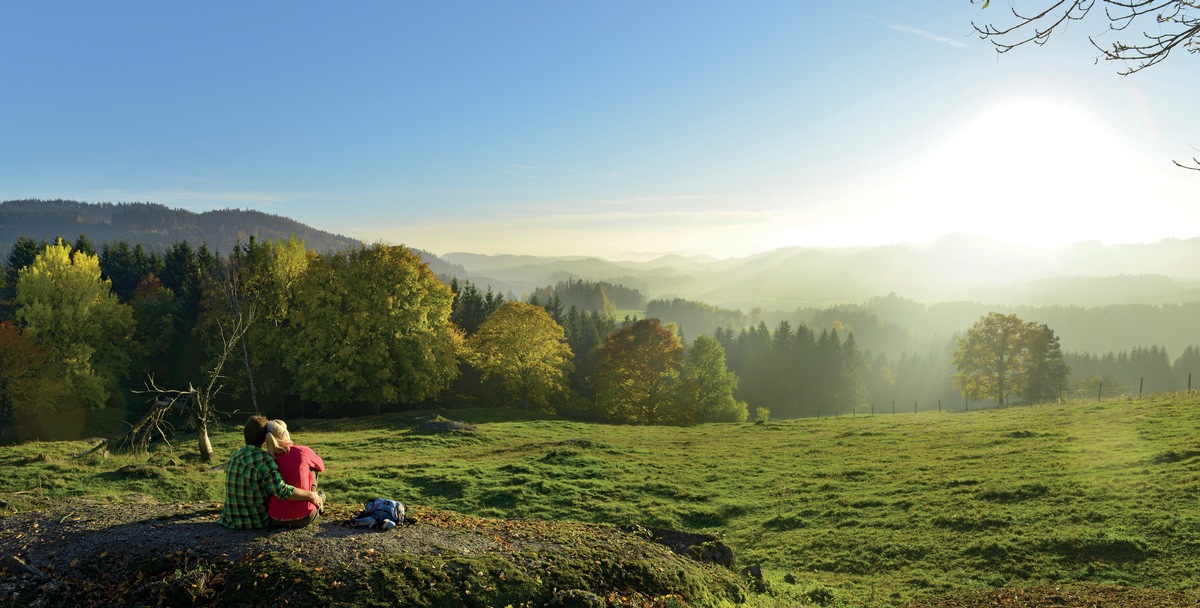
[[955, 268], [153, 225], [958, 267]]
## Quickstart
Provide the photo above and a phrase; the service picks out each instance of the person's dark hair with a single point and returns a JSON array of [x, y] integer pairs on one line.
[[256, 430]]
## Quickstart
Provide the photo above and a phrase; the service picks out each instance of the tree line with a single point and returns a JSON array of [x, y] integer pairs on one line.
[[794, 372], [907, 347], [1149, 368], [292, 332], [278, 328]]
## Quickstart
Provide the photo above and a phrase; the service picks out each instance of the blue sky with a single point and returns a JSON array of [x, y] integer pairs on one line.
[[599, 128]]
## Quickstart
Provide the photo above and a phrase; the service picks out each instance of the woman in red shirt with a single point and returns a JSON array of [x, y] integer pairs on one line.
[[299, 466]]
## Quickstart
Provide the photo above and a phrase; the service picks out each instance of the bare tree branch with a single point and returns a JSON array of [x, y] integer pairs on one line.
[[197, 404], [1166, 25], [137, 439]]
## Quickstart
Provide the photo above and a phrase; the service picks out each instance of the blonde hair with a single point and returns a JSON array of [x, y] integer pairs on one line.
[[279, 441]]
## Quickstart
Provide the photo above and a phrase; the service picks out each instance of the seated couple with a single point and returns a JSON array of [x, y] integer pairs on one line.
[[270, 481]]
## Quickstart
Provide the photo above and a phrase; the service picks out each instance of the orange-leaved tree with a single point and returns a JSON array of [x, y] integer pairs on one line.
[[637, 379]]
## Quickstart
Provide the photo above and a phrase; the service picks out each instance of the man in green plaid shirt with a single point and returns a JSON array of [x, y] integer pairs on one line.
[[251, 477]]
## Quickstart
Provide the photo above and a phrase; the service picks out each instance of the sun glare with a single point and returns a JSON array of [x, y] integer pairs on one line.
[[1030, 171]]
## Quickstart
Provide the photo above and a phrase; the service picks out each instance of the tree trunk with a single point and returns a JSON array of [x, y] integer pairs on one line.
[[249, 374], [203, 443]]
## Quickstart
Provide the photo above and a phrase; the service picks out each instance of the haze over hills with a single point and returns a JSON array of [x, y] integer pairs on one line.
[[958, 267], [954, 268]]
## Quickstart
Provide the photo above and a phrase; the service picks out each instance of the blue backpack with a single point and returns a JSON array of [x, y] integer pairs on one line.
[[379, 512]]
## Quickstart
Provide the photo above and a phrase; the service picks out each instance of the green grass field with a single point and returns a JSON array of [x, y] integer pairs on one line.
[[867, 510]]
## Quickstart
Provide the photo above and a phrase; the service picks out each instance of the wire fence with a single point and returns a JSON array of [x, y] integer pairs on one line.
[[1092, 394], [1102, 392]]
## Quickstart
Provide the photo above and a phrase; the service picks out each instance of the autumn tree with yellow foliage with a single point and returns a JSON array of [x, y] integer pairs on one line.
[[1002, 355], [64, 306], [526, 350]]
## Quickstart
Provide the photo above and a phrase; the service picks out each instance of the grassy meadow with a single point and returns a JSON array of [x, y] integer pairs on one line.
[[859, 511]]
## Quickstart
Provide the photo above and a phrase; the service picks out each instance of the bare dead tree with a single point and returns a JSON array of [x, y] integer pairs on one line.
[[137, 439], [197, 403], [231, 277], [201, 399]]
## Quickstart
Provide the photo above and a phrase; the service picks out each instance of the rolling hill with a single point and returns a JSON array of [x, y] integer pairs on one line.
[[152, 225]]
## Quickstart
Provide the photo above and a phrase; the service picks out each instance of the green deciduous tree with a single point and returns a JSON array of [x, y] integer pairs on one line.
[[526, 350], [64, 305], [1002, 355], [256, 280], [371, 325], [707, 387], [637, 375]]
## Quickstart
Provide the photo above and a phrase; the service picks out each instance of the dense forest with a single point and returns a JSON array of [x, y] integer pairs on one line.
[[89, 326], [153, 226], [275, 327]]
